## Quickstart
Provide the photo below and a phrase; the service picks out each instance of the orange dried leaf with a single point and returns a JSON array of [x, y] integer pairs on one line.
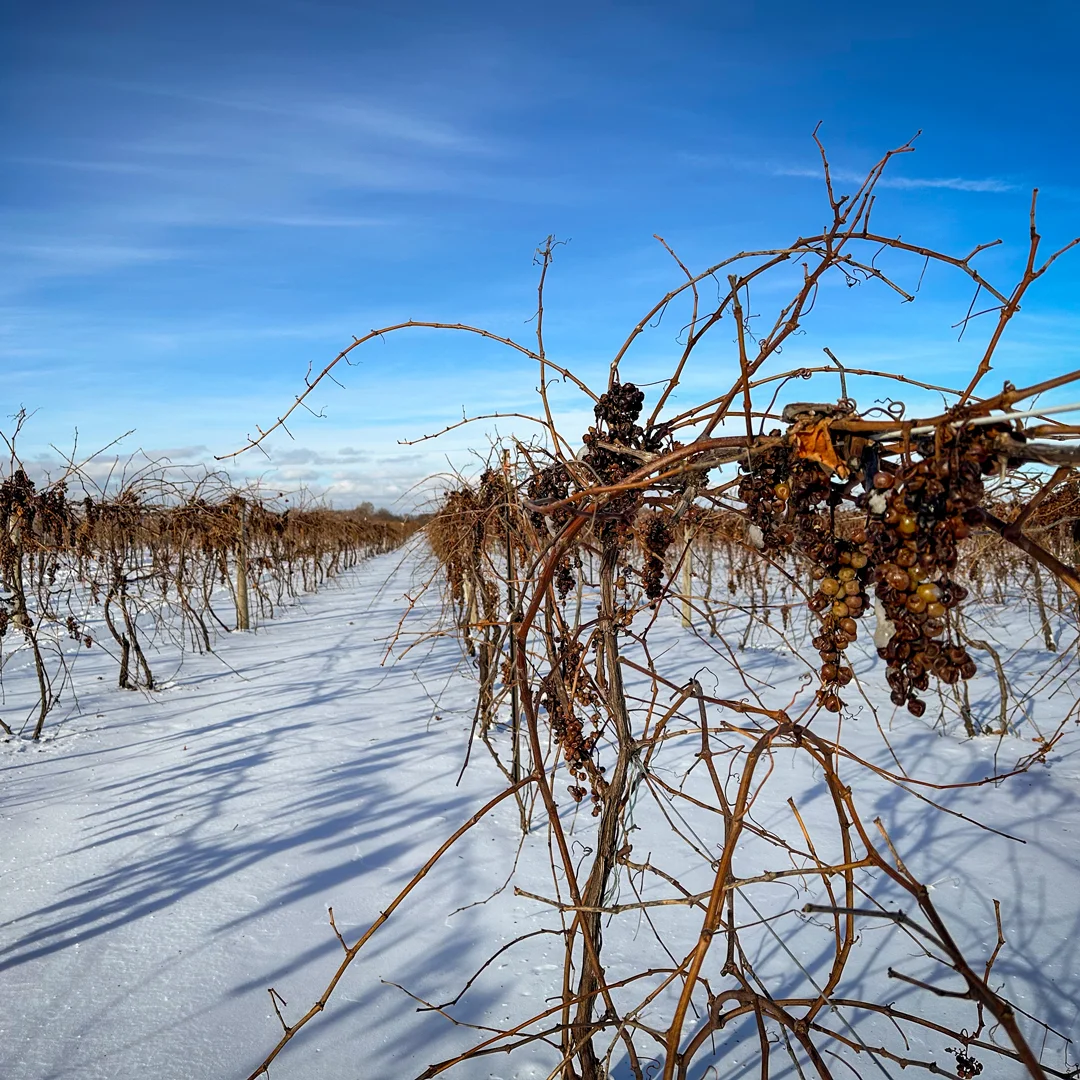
[[814, 443]]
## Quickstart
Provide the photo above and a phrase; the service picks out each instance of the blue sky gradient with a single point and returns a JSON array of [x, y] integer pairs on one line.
[[197, 200]]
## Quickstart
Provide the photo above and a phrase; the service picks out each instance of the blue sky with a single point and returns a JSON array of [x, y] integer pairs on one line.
[[197, 200]]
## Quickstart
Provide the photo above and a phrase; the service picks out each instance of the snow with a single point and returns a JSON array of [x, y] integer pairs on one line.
[[167, 857]]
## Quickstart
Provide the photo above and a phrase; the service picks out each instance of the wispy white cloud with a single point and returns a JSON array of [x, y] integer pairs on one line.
[[93, 165], [269, 157], [324, 221], [953, 183], [950, 183], [759, 166], [29, 261], [367, 117], [354, 113]]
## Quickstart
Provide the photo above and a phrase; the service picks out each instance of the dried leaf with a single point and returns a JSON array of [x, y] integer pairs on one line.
[[814, 443]]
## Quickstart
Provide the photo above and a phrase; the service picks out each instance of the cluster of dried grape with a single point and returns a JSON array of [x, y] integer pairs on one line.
[[75, 632], [564, 579], [918, 515], [841, 569], [578, 748], [967, 1068], [792, 503], [33, 522], [656, 537], [764, 490], [550, 484], [616, 414]]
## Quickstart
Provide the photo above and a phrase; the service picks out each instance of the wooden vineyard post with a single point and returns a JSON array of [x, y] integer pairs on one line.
[[243, 619], [511, 599]]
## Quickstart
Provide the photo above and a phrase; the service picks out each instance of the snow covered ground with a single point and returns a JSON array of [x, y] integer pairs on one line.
[[167, 857]]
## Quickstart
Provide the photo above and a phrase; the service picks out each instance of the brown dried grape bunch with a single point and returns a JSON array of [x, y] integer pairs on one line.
[[564, 577], [17, 498], [618, 410], [810, 488], [578, 748], [655, 536], [55, 520], [809, 512], [967, 1067], [840, 568], [616, 415], [919, 515], [842, 572], [551, 484], [765, 490], [791, 501]]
